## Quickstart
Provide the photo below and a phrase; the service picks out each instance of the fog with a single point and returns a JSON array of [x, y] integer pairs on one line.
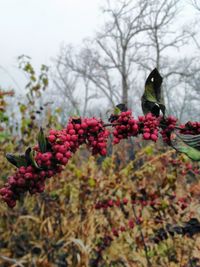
[[38, 28]]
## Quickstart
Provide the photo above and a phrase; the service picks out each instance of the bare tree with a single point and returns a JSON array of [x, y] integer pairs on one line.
[[138, 36], [196, 4], [107, 61], [164, 48], [118, 40], [73, 86]]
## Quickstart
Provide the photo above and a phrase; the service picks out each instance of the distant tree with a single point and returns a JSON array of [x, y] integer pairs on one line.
[[196, 4], [73, 78], [137, 36], [164, 47], [107, 61]]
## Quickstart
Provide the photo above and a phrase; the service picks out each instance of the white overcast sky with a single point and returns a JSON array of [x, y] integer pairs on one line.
[[38, 27]]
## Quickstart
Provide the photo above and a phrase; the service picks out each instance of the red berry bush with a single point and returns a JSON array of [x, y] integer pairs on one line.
[[53, 152], [105, 212]]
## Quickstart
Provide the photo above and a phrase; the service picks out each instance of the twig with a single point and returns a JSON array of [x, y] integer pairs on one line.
[[142, 237], [17, 263], [111, 124], [161, 125]]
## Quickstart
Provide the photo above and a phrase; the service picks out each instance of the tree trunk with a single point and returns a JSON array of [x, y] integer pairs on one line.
[[124, 90]]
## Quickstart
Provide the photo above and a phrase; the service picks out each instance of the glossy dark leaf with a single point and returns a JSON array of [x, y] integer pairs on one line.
[[152, 98], [42, 141], [122, 107], [29, 154], [17, 161], [76, 120], [191, 140], [187, 145]]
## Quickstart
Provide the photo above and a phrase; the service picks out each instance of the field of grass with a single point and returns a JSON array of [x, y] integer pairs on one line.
[[109, 211]]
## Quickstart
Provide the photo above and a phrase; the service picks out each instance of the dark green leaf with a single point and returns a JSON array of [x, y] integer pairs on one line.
[[117, 111], [76, 120], [191, 140], [189, 147], [122, 107], [42, 141], [29, 154], [152, 100], [17, 161]]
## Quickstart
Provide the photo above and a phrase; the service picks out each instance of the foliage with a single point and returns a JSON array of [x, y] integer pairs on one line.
[[103, 212], [62, 224]]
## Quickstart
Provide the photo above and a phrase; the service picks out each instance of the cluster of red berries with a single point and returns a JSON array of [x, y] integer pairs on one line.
[[183, 202], [103, 243], [25, 179], [186, 167], [149, 127], [190, 128], [62, 143], [89, 131], [124, 126], [143, 199], [96, 136], [109, 203], [123, 228], [168, 125], [153, 200], [33, 178], [43, 159]]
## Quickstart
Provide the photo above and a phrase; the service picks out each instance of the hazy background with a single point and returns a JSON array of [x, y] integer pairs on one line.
[[82, 77], [38, 28]]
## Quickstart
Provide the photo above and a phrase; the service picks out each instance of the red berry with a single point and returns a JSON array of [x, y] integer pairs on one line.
[[59, 156], [146, 136], [51, 138], [72, 132], [131, 223], [125, 201], [154, 137], [28, 176], [110, 203], [22, 170], [103, 152], [122, 228], [115, 232]]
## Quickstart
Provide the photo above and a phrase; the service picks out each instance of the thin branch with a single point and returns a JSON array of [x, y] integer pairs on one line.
[[142, 237], [11, 260]]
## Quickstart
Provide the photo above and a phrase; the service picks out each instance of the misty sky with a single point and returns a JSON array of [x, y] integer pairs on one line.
[[38, 27]]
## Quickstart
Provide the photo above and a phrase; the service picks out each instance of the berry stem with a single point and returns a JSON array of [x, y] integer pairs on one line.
[[111, 124]]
